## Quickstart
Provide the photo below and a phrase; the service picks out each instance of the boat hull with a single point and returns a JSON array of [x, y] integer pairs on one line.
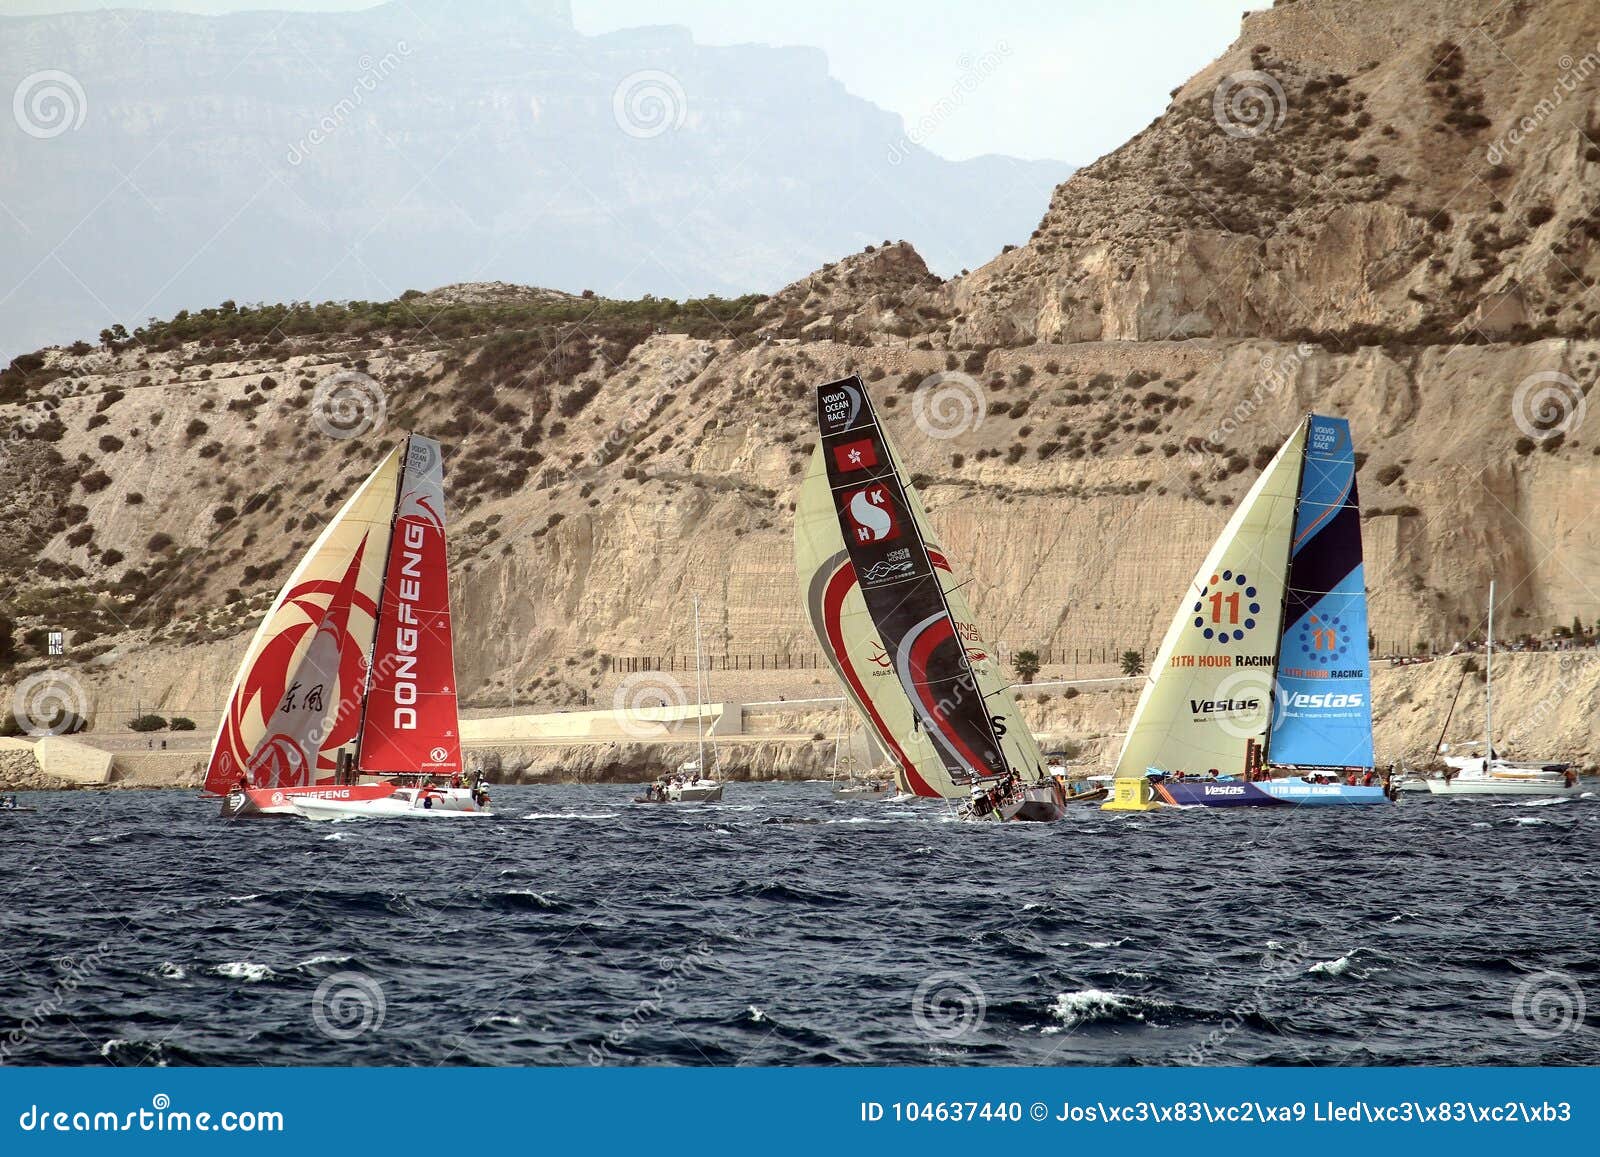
[[1524, 789], [704, 791], [863, 791], [1039, 803], [279, 802], [1268, 793], [438, 804]]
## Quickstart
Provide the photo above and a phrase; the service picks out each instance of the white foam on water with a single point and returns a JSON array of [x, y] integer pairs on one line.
[[244, 970], [1090, 1004], [755, 1014], [246, 898], [503, 1021], [1334, 967], [1482, 825], [333, 836], [167, 970], [316, 960], [540, 898], [1530, 822]]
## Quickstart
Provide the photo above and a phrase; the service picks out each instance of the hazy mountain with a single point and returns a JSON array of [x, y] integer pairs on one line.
[[160, 161]]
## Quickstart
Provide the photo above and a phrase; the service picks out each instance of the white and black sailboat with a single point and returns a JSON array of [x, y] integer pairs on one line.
[[896, 627]]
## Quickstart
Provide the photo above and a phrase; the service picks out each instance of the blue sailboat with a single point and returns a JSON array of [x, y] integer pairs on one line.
[[1261, 692]]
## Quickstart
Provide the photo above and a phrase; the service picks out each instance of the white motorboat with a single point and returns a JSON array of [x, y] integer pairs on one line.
[[1487, 773], [419, 803]]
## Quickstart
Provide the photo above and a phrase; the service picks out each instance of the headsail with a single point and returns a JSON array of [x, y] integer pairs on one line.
[[839, 617], [1209, 691], [954, 737], [1323, 713], [296, 699], [410, 721]]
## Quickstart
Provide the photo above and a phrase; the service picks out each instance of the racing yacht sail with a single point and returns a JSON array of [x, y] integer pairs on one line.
[[897, 628], [352, 668], [1265, 661]]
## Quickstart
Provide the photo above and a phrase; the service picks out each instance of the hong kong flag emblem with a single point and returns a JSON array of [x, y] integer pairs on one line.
[[859, 455]]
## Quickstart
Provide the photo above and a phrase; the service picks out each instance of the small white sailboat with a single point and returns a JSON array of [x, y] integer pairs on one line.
[[1487, 773], [897, 630], [690, 783], [346, 695]]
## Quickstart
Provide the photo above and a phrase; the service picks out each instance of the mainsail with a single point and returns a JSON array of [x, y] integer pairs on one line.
[[1230, 685], [297, 697], [357, 646], [843, 627], [1323, 713], [942, 719], [410, 722]]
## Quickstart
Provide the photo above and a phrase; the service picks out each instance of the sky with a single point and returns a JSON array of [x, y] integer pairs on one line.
[[1066, 80]]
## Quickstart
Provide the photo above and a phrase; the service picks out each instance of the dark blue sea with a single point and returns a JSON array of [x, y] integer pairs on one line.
[[783, 928]]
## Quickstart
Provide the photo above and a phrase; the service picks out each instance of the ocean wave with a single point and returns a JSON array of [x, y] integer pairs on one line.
[[246, 971], [1340, 966], [1091, 1005]]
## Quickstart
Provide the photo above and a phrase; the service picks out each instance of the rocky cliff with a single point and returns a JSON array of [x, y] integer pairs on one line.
[[1371, 241]]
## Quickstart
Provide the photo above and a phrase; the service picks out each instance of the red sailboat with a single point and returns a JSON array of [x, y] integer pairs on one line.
[[345, 703]]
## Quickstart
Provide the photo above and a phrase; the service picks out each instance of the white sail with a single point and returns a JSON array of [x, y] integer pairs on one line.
[[1208, 693], [297, 697], [846, 633]]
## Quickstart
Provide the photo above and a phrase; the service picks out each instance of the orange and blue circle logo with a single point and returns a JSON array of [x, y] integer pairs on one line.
[[1228, 608], [1322, 640]]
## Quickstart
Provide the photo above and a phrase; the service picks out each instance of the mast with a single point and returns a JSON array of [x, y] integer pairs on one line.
[[383, 585], [1488, 683], [699, 692], [1283, 609]]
